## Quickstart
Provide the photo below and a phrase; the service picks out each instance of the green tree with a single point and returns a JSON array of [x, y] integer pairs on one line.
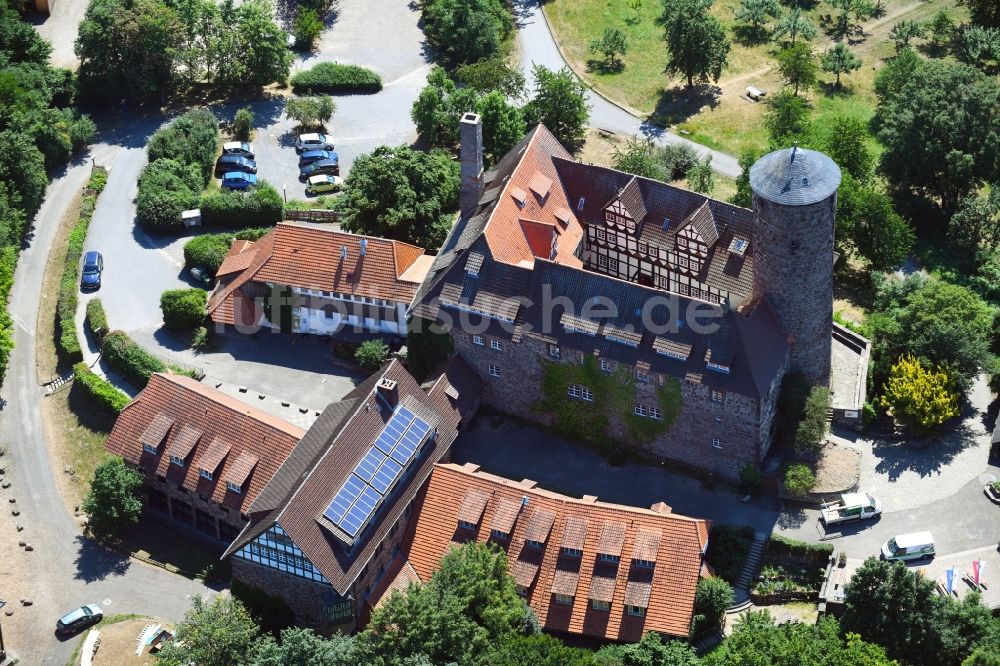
[[612, 43], [302, 647], [786, 119], [560, 103], [744, 195], [799, 480], [19, 41], [243, 124], [942, 29], [306, 28], [127, 48], [795, 24], [797, 66], [192, 138], [700, 176], [676, 159], [401, 193], [216, 633], [639, 156], [897, 608], [711, 599], [838, 60], [538, 650], [974, 231], [114, 501], [756, 14], [697, 46], [466, 31], [492, 74], [810, 435], [503, 125], [468, 607], [904, 31], [865, 215], [937, 123], [852, 12], [371, 354], [966, 624], [984, 12], [22, 171], [846, 142], [649, 651], [635, 6], [976, 45], [183, 309], [923, 398], [251, 49], [311, 111]]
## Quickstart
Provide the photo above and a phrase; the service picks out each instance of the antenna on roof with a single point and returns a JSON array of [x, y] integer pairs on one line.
[[343, 252]]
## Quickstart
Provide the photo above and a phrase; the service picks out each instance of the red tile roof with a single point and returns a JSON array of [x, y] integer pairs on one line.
[[230, 432], [667, 589], [529, 194], [308, 256]]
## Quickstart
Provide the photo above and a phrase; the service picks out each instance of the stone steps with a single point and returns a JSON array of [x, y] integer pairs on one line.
[[741, 591]]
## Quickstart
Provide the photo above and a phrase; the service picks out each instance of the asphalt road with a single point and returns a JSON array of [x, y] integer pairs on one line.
[[71, 570], [539, 47]]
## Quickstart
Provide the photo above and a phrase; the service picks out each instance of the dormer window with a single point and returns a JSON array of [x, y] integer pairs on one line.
[[149, 448], [205, 474], [533, 544], [724, 369], [605, 557], [466, 525], [232, 487], [579, 204], [177, 460], [498, 535], [572, 552], [644, 564]]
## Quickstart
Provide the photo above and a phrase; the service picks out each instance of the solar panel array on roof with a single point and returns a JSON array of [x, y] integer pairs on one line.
[[377, 472]]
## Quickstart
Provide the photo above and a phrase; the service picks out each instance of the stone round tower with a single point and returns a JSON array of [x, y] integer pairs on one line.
[[794, 202]]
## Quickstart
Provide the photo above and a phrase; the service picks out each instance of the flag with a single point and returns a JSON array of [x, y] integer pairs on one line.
[[949, 575], [977, 570]]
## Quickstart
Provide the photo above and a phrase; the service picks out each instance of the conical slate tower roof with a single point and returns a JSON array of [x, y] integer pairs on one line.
[[794, 177]]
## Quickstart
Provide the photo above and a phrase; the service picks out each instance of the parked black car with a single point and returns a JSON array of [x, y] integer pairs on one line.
[[321, 166], [229, 163]]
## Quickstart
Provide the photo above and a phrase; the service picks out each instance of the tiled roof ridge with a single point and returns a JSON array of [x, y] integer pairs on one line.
[[532, 143], [401, 265], [228, 402], [566, 499]]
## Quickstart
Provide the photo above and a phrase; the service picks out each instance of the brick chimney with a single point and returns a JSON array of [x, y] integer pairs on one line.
[[471, 139], [388, 391]]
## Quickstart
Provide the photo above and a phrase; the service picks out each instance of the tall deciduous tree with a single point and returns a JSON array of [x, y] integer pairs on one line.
[[904, 31], [797, 66], [846, 142], [113, 502], [850, 14], [795, 24], [401, 193], [503, 125], [700, 176], [639, 156], [302, 647], [786, 119], [984, 12], [697, 47], [839, 60], [974, 230], [560, 103], [311, 111], [466, 31], [216, 633], [865, 216], [756, 13]]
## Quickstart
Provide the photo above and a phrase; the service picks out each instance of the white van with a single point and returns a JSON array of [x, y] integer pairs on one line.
[[909, 547]]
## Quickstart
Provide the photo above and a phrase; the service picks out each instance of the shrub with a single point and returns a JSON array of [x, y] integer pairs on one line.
[[208, 250], [193, 138], [782, 547], [114, 499], [312, 111], [799, 480], [167, 187], [811, 431], [332, 77], [97, 320], [922, 397], [98, 389], [183, 309], [126, 357], [750, 478], [371, 354], [306, 28], [711, 599], [243, 123], [256, 207], [727, 550], [201, 340], [677, 159]]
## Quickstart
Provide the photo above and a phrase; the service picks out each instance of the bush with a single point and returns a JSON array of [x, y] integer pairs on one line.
[[750, 478], [371, 354], [306, 28], [711, 599], [126, 357], [332, 77], [677, 159], [799, 480], [782, 547], [727, 550], [923, 398], [201, 339], [243, 124], [208, 250], [259, 206], [183, 309], [312, 111], [114, 499], [811, 431], [192, 138], [98, 389], [68, 343], [97, 320]]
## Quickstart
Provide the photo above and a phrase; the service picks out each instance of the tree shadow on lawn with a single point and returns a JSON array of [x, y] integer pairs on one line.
[[925, 457], [602, 66], [833, 90], [678, 104]]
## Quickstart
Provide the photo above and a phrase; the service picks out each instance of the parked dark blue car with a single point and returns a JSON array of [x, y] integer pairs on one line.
[[311, 156], [237, 180], [229, 163], [93, 266], [322, 166]]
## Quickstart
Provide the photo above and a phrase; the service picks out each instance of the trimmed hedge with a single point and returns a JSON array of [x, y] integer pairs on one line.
[[97, 320], [332, 77], [209, 250], [167, 188], [126, 357], [100, 390], [779, 546], [67, 342], [183, 309], [259, 206]]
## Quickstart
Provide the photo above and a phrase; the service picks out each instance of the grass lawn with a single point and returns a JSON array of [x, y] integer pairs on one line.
[[716, 115]]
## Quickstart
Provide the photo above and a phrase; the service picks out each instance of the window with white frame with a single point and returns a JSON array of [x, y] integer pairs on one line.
[[177, 460], [232, 487], [572, 552], [494, 370], [640, 410], [554, 351], [586, 394], [716, 442], [495, 344], [607, 366], [205, 474], [564, 599], [601, 236], [724, 369], [149, 448], [636, 611], [644, 564], [642, 377], [717, 396], [573, 390], [466, 525], [477, 340], [655, 413], [602, 260], [597, 604]]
